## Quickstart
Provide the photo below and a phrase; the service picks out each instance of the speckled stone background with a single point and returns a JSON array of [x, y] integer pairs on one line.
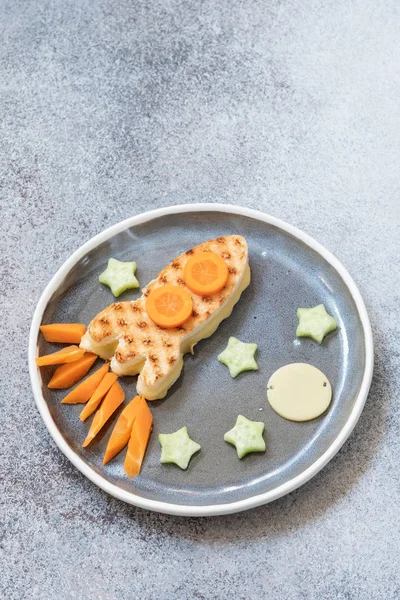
[[109, 108]]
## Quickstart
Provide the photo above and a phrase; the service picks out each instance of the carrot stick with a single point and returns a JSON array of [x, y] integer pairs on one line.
[[122, 430], [67, 375], [98, 395], [70, 333], [66, 355], [84, 390], [115, 397], [138, 441]]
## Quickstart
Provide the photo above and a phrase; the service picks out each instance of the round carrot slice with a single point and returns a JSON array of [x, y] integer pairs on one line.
[[169, 306], [205, 273]]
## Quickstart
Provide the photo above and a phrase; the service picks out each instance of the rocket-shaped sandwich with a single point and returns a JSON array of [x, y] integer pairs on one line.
[[183, 305]]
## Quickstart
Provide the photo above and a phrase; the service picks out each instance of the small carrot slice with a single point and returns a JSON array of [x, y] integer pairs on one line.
[[66, 355], [98, 395], [84, 390], [169, 306], [139, 439], [115, 397], [205, 273], [122, 430], [69, 333], [67, 375]]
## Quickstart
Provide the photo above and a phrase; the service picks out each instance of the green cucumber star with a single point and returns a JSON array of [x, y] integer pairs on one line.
[[315, 323], [119, 276], [177, 447], [246, 436], [239, 357]]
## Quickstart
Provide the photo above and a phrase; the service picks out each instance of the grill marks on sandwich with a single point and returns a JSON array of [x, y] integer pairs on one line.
[[157, 352], [139, 338]]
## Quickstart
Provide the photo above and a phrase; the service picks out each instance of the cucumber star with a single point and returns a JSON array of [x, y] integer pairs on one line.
[[315, 323], [246, 436], [177, 447], [239, 357], [119, 276]]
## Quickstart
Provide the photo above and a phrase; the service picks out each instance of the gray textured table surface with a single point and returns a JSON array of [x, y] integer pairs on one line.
[[109, 108]]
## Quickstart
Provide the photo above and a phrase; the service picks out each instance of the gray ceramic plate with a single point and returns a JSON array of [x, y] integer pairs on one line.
[[289, 270]]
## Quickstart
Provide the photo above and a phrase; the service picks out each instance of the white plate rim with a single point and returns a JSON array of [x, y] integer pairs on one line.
[[212, 509]]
